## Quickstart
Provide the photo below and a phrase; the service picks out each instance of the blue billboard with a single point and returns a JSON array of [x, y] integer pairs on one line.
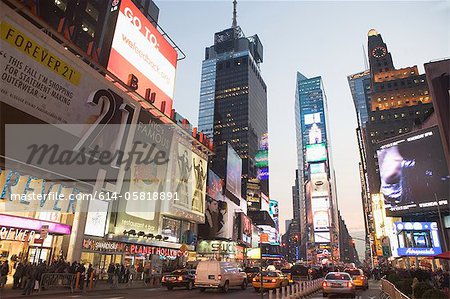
[[417, 238]]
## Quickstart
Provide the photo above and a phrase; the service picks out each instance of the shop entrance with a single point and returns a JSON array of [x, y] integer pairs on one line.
[[39, 254]]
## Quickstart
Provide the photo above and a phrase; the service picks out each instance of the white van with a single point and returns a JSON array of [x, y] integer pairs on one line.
[[215, 274]]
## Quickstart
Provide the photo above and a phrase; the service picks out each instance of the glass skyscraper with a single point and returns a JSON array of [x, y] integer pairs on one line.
[[315, 169], [359, 86], [233, 101]]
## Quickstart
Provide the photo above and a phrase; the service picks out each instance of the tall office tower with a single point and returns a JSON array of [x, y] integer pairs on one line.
[[388, 102], [233, 101], [359, 84], [319, 223], [399, 99]]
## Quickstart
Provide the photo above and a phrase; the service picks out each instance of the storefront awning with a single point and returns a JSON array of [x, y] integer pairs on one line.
[[34, 224]]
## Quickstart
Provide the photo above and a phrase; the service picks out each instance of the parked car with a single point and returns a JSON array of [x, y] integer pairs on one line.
[[251, 272], [358, 277], [219, 275], [179, 278], [271, 280], [338, 283]]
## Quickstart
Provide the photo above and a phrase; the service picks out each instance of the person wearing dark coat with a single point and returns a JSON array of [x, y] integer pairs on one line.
[[31, 274], [18, 275]]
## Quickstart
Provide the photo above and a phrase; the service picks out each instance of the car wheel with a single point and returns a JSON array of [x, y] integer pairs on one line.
[[202, 290], [170, 288], [324, 294], [244, 284], [190, 285], [256, 289], [225, 287]]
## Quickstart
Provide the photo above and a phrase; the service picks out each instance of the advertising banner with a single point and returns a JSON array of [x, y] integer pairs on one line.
[[417, 238], [139, 49], [96, 218], [316, 152], [216, 220], [315, 127], [320, 208], [218, 247], [234, 172], [262, 158], [414, 174], [243, 226], [214, 189], [322, 237], [273, 212]]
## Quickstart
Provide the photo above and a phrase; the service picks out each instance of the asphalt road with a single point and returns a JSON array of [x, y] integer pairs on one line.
[[235, 293]]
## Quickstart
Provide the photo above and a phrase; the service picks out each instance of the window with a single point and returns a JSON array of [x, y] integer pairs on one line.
[[92, 11]]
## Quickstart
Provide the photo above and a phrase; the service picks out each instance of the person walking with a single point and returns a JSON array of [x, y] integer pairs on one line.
[[31, 275], [4, 270], [89, 273], [18, 275], [131, 275], [110, 272], [116, 274]]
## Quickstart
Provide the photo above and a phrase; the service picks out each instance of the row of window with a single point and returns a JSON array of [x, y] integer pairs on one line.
[[397, 115], [422, 93]]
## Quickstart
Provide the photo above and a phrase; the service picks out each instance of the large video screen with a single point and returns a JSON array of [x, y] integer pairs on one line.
[[413, 173]]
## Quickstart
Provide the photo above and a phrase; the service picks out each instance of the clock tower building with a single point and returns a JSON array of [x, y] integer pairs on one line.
[[398, 100]]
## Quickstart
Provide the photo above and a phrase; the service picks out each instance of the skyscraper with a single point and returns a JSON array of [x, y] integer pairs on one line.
[[233, 100], [399, 99], [388, 102], [319, 224]]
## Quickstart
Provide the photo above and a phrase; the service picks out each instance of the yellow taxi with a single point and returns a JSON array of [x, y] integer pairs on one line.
[[271, 280], [358, 277]]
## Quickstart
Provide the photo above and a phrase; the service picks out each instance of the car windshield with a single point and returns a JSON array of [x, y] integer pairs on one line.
[[270, 274], [251, 269], [337, 276], [353, 272], [179, 272]]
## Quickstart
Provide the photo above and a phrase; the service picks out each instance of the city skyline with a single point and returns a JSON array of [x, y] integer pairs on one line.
[[334, 50]]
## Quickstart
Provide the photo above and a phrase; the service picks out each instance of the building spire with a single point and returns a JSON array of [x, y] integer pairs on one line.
[[234, 24]]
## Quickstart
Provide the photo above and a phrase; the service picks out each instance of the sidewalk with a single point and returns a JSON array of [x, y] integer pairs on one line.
[[8, 293]]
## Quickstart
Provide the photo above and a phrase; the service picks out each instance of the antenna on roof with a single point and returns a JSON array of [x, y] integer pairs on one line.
[[366, 64], [234, 24]]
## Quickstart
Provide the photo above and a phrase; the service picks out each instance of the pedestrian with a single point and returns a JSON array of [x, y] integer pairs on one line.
[[110, 272], [89, 273], [31, 280], [131, 275], [81, 269], [4, 270], [116, 274], [18, 275], [122, 274]]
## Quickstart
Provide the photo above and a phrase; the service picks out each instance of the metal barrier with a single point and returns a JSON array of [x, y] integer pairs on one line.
[[391, 291], [297, 290], [57, 280]]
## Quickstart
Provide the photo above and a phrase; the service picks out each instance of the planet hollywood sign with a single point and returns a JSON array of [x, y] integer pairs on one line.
[[131, 249], [145, 249]]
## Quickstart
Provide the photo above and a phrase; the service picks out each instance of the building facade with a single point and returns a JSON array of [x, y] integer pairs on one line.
[[389, 102], [318, 208], [96, 230], [233, 102]]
